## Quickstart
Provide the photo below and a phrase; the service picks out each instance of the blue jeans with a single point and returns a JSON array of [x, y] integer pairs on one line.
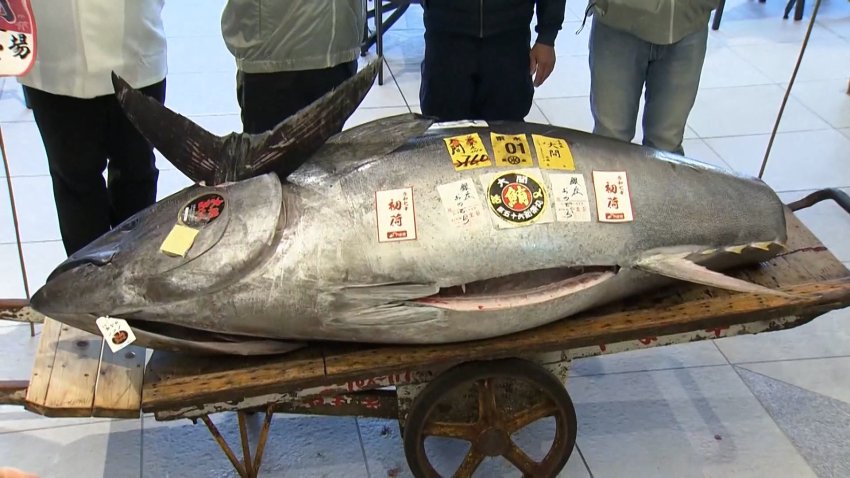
[[620, 65]]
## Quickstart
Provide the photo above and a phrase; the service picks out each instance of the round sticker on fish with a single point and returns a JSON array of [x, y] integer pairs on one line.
[[517, 198], [202, 210]]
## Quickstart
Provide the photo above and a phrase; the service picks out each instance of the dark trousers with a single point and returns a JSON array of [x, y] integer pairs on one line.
[[82, 137], [266, 99], [465, 77]]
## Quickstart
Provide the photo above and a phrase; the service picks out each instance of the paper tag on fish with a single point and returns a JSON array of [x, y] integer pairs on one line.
[[179, 240], [461, 203], [613, 199], [17, 37], [553, 153], [569, 195], [517, 198], [395, 215], [511, 150], [116, 332], [467, 152], [459, 124]]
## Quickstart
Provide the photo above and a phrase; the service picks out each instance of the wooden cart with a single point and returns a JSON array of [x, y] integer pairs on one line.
[[481, 391]]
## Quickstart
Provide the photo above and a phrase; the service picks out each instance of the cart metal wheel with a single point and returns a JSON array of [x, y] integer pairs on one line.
[[495, 410]]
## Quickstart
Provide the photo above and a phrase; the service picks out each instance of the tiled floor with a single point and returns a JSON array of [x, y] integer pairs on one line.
[[772, 405]]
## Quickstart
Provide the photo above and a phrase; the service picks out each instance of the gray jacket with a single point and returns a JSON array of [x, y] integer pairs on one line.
[[267, 36], [657, 21]]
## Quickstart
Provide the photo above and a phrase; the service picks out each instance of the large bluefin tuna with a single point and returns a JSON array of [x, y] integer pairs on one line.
[[402, 230]]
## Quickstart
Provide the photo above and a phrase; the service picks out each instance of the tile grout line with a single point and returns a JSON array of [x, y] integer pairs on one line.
[[362, 446]]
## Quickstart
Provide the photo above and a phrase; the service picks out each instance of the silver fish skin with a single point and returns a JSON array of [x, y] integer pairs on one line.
[[299, 259]]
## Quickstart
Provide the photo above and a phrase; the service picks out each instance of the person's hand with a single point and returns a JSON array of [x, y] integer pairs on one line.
[[6, 472], [542, 62]]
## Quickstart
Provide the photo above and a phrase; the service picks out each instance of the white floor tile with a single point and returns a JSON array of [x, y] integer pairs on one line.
[[827, 98], [571, 77], [825, 376], [748, 110], [192, 18], [408, 78], [535, 115], [19, 349], [191, 94], [296, 446], [821, 61], [7, 225], [720, 62], [699, 150], [571, 113], [669, 357], [683, 423], [97, 449], [11, 279], [808, 160], [199, 54], [825, 336], [40, 259], [12, 106], [25, 150], [36, 209], [381, 96]]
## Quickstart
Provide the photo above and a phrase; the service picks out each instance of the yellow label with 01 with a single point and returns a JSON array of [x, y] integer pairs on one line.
[[467, 152], [511, 150], [553, 153]]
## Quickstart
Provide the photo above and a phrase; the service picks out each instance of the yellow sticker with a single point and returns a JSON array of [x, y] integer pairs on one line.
[[511, 150], [179, 241], [467, 152], [553, 153]]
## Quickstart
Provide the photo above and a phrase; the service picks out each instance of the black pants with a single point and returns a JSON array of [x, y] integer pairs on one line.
[[82, 137], [465, 77], [267, 99]]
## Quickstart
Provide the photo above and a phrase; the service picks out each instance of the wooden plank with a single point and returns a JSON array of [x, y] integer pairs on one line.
[[70, 391], [244, 378], [118, 393], [13, 392], [42, 368]]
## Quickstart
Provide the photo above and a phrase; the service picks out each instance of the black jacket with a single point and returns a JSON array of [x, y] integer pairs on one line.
[[482, 18]]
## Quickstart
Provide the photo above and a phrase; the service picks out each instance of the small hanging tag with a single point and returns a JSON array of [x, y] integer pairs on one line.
[[116, 332], [179, 240]]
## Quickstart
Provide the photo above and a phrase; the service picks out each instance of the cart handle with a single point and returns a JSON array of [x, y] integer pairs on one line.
[[837, 195]]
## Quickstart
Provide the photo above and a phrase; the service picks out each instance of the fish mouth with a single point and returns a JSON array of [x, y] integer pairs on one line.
[[520, 289]]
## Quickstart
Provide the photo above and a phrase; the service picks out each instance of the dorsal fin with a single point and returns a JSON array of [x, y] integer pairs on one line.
[[374, 139], [205, 157]]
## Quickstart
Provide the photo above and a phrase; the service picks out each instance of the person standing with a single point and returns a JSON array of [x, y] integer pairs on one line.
[[82, 126], [658, 45], [479, 62], [289, 54]]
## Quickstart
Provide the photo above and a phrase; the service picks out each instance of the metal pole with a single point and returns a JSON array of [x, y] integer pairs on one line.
[[791, 84], [15, 221]]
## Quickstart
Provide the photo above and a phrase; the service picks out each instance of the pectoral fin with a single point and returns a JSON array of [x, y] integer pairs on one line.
[[678, 267]]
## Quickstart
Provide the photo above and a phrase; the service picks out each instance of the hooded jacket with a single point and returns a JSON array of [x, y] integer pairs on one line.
[[662, 22], [273, 36]]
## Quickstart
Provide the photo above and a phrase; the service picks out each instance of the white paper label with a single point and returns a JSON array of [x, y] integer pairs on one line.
[[459, 124], [613, 200], [461, 202], [116, 332], [395, 215], [569, 193]]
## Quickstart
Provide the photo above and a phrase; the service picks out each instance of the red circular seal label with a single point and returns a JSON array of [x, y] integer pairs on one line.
[[517, 198], [202, 210]]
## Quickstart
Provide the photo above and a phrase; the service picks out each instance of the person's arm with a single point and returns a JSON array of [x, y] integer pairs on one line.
[[550, 17]]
